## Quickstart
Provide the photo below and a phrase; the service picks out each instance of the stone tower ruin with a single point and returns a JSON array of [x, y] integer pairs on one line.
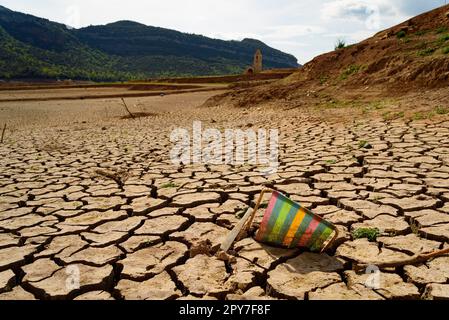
[[257, 64]]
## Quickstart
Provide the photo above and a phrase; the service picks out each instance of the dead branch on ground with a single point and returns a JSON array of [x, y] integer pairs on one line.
[[127, 109], [119, 177], [3, 133], [417, 259]]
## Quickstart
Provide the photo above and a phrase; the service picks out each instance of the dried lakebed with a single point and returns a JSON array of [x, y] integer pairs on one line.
[[154, 235]]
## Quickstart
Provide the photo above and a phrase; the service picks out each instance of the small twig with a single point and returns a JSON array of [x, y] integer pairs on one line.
[[119, 177], [3, 133], [126, 107], [417, 259]]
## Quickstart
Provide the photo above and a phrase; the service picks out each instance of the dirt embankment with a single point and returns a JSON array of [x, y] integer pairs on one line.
[[407, 59], [266, 75]]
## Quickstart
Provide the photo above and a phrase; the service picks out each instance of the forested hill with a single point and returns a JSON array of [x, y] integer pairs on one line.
[[32, 47]]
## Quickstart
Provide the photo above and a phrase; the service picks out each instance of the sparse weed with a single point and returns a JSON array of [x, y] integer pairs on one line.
[[422, 115], [421, 33], [366, 233], [169, 185], [352, 69], [401, 34], [406, 39], [419, 116], [426, 52], [444, 38], [340, 44], [442, 110], [324, 79], [441, 30], [415, 229], [389, 116], [365, 145], [376, 105]]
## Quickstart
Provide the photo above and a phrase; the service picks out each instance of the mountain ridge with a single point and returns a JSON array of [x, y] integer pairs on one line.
[[120, 50]]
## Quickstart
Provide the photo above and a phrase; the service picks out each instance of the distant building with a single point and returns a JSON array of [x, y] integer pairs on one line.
[[257, 66]]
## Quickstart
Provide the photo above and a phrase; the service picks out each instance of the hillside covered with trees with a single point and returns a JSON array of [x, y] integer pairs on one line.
[[32, 47]]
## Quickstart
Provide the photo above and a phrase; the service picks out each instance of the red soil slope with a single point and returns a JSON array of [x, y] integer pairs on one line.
[[409, 57]]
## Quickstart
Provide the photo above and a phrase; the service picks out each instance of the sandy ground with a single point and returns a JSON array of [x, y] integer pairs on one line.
[[26, 94], [42, 114], [153, 231]]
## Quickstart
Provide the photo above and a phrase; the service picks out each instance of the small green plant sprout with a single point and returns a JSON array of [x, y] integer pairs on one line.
[[352, 69], [401, 34], [442, 110], [444, 38], [331, 161], [365, 145], [426, 52], [415, 229], [420, 33], [341, 44], [441, 30], [419, 116], [390, 116], [366, 233], [422, 115], [407, 39], [169, 185], [324, 79], [446, 50]]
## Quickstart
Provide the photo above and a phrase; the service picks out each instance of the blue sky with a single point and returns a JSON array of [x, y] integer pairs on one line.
[[304, 28]]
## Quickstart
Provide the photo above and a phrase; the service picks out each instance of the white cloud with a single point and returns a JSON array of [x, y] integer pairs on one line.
[[344, 9], [352, 37], [232, 35], [357, 9], [372, 13], [290, 43], [284, 32]]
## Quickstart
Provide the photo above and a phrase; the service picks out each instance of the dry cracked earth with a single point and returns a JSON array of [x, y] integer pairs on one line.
[[85, 193]]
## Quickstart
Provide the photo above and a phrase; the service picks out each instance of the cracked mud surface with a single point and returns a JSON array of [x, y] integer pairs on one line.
[[152, 232]]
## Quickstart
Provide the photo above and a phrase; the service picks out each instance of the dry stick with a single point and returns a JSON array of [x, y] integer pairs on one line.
[[235, 233], [3, 133], [126, 107], [119, 177], [253, 215], [421, 258]]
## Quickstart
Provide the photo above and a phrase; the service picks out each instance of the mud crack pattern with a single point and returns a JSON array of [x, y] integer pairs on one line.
[[152, 232]]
